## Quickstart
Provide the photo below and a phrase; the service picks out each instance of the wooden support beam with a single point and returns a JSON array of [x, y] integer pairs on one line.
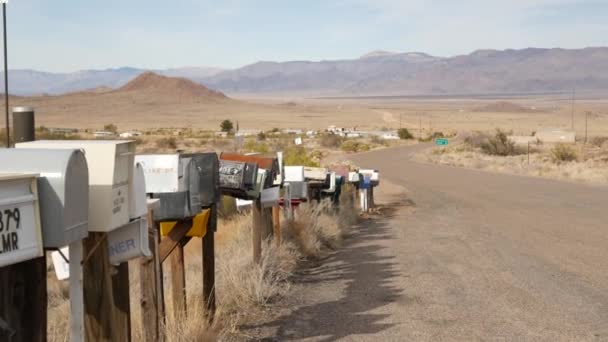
[[178, 280], [258, 227], [267, 230], [173, 239], [103, 320], [23, 301], [76, 292], [209, 263], [276, 224], [122, 299], [151, 285]]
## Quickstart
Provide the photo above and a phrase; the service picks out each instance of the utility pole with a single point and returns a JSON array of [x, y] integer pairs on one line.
[[420, 128], [8, 134], [586, 126], [400, 114], [573, 94]]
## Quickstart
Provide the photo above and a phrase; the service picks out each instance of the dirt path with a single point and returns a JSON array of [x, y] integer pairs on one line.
[[481, 256]]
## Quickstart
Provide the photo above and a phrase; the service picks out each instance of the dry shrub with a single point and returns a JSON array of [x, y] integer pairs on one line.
[[319, 225], [167, 143], [499, 145], [599, 141], [562, 153], [331, 140], [354, 146]]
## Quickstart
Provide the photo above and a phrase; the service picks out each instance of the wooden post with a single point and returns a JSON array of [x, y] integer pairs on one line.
[[276, 224], [209, 263], [104, 321], [23, 301], [267, 228], [122, 299], [151, 285], [23, 296], [258, 226], [178, 280], [76, 292]]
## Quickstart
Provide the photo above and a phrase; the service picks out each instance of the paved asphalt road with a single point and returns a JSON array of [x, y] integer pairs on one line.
[[477, 256]]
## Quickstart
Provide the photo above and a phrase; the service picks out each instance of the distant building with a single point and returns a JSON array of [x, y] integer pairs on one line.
[[390, 136], [556, 136], [247, 132], [103, 134], [292, 131], [62, 130], [129, 134], [221, 134]]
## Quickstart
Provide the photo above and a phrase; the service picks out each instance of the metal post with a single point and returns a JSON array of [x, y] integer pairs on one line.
[[8, 134], [573, 94], [586, 127], [528, 153]]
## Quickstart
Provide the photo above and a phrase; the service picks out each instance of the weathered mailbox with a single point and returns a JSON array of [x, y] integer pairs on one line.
[[269, 197], [271, 165], [330, 183], [354, 177], [63, 189], [175, 180], [129, 242], [317, 174], [294, 176], [20, 235], [110, 165], [208, 165], [238, 179], [373, 175]]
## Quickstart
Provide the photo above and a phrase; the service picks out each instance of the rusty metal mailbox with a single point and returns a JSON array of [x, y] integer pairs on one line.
[[110, 165], [238, 179], [175, 180], [20, 233], [63, 188]]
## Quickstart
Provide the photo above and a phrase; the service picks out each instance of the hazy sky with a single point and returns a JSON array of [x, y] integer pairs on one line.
[[67, 35]]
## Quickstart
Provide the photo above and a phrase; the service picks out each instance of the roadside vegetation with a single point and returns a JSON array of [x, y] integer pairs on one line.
[[578, 161]]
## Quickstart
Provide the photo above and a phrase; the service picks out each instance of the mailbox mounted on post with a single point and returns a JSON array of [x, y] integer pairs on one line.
[[373, 175], [129, 242], [63, 189], [294, 176], [238, 179], [20, 235], [110, 165], [271, 165], [175, 180], [208, 165]]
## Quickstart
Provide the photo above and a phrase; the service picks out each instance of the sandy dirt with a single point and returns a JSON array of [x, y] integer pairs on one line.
[[461, 255]]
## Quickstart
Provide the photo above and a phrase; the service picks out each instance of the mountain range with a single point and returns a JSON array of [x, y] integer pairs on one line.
[[376, 73]]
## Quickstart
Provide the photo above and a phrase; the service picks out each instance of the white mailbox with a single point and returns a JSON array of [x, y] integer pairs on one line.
[[315, 173], [294, 174], [129, 242], [332, 183], [110, 177], [175, 180], [374, 176], [63, 189], [353, 177], [138, 205], [20, 233]]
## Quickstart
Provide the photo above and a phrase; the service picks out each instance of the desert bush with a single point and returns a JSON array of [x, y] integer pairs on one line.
[[255, 146], [261, 136], [404, 134], [167, 143], [562, 153], [227, 126], [110, 128], [298, 155], [499, 145], [354, 146], [598, 141], [331, 140], [378, 141], [477, 139]]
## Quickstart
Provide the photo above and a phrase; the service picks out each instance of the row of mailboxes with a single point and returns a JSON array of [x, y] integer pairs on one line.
[[271, 165], [184, 183], [110, 171], [364, 178]]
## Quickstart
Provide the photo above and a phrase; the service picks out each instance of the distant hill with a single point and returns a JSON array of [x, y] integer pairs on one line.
[[32, 82], [149, 83], [385, 73]]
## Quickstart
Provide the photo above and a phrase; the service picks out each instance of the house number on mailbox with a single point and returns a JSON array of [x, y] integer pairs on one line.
[[10, 220]]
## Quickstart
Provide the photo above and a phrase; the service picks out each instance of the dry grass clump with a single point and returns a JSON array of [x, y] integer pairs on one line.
[[562, 153]]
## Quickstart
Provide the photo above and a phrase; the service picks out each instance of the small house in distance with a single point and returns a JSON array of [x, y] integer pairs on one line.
[[556, 136], [103, 134]]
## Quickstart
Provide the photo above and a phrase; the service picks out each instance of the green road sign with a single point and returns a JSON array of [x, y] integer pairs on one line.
[[441, 142]]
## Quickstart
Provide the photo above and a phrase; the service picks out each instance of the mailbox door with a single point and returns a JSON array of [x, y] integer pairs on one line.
[[173, 206], [138, 200], [191, 183], [210, 178], [129, 242], [161, 172], [270, 197], [20, 231], [294, 173]]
